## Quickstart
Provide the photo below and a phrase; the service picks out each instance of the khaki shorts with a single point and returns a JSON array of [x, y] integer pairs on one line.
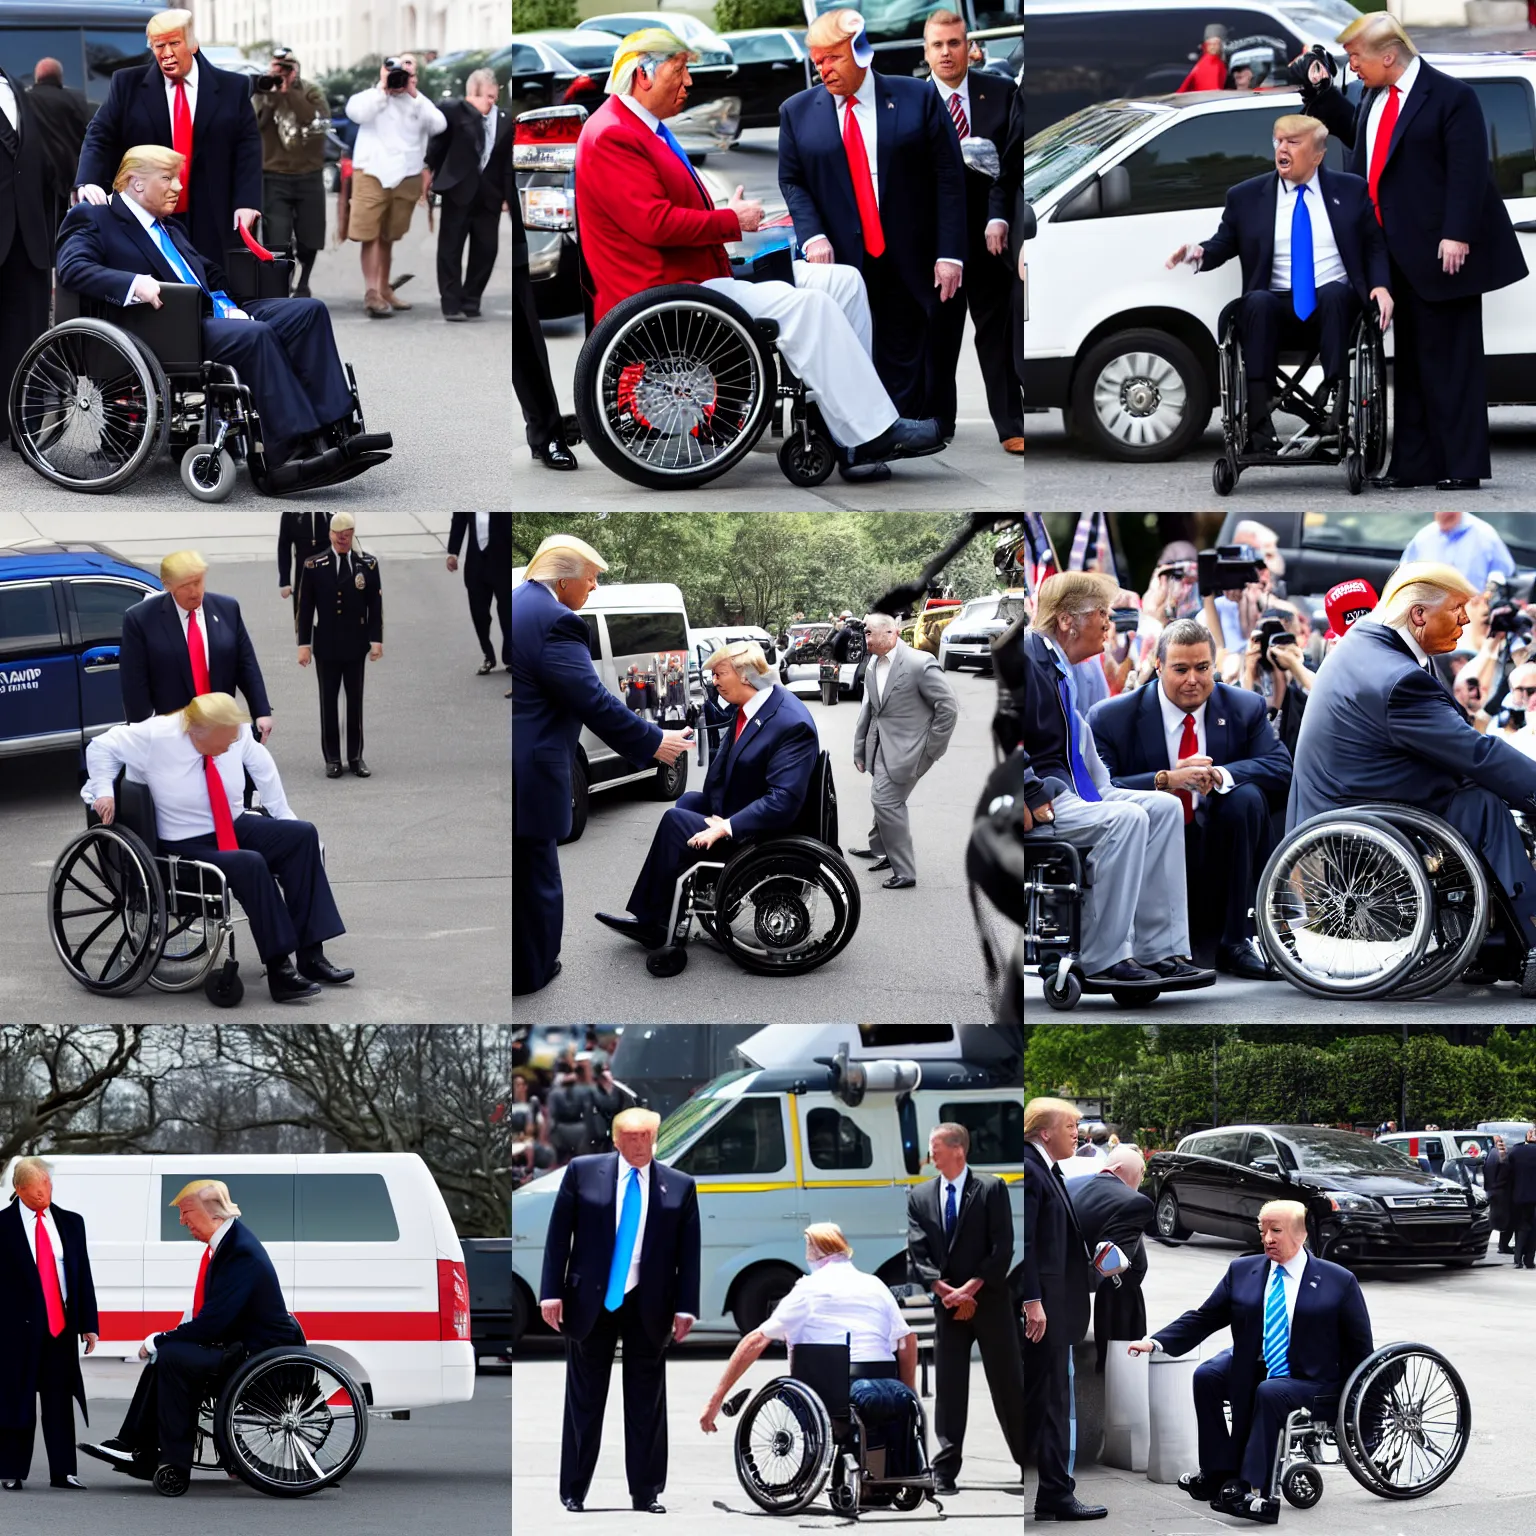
[[379, 212]]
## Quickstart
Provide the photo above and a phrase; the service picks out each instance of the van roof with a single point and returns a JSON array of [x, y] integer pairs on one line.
[[967, 1076], [623, 595]]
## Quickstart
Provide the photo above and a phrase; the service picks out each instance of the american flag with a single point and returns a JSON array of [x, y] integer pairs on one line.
[[1039, 557], [1091, 543]]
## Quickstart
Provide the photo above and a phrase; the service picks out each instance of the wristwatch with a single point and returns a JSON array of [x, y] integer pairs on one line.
[[1160, 781]]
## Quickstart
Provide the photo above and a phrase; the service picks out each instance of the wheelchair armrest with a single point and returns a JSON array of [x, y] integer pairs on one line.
[[767, 329], [174, 332]]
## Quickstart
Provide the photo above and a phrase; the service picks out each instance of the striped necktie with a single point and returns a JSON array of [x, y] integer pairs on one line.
[[1277, 1327], [957, 111]]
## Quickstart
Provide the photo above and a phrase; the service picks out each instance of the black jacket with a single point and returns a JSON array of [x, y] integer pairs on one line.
[[1058, 1264], [453, 157], [62, 116], [27, 189], [492, 564], [300, 535], [1108, 1211], [1522, 1173], [1044, 717], [155, 666], [242, 1299], [991, 111], [981, 1245]]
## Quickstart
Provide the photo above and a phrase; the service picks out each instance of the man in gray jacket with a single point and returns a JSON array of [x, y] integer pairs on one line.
[[904, 729]]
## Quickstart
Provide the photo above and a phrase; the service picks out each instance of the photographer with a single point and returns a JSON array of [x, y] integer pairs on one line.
[[389, 175], [294, 118], [1516, 721], [1274, 667]]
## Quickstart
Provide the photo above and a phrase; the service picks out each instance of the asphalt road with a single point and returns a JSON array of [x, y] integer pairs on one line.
[[1480, 1319], [443, 1472], [914, 956], [443, 390], [972, 474], [419, 855]]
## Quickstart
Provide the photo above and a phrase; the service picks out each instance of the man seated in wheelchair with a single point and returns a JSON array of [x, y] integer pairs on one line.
[[121, 251], [834, 1303], [236, 1309], [1312, 255], [1299, 1328], [756, 784], [647, 220], [194, 764], [1381, 725]]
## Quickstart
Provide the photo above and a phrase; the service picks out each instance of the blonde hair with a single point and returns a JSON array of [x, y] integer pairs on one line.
[[214, 709], [636, 1119], [1294, 123], [647, 50], [179, 566], [563, 555], [1039, 1113], [143, 158], [826, 1238], [1420, 581], [341, 521], [942, 19], [212, 1195], [1292, 1208], [746, 656], [26, 1169], [834, 27], [1070, 594], [164, 22], [1379, 33]]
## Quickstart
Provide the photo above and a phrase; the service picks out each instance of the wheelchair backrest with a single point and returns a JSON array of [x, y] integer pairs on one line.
[[818, 814], [174, 332], [249, 278], [824, 1369], [135, 809]]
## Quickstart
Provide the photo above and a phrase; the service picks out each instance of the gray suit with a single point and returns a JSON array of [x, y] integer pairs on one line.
[[901, 734]]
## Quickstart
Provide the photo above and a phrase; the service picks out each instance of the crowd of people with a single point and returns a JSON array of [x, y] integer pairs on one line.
[[565, 1111]]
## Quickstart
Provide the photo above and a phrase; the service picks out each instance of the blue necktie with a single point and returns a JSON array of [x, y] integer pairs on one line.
[[1082, 780], [1277, 1327], [668, 138], [624, 1243], [1303, 272], [949, 1212], [222, 303]]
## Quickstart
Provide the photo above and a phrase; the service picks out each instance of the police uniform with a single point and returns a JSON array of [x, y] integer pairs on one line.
[[299, 535], [341, 613]]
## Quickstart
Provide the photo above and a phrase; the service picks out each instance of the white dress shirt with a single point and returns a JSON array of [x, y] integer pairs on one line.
[[1420, 655], [867, 118], [1292, 1270], [622, 1181], [880, 671], [490, 138], [1173, 733], [1404, 85], [9, 107], [1327, 264], [343, 563], [159, 753], [750, 708], [186, 1311], [837, 1301], [392, 133], [185, 615], [29, 1221], [483, 529], [170, 102]]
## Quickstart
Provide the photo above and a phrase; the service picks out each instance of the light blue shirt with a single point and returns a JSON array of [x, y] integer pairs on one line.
[[1472, 546]]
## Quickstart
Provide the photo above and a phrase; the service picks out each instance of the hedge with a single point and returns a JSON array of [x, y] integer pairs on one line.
[[534, 15], [736, 15]]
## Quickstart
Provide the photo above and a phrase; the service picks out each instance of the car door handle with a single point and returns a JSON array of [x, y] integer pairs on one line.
[[103, 658], [1526, 227]]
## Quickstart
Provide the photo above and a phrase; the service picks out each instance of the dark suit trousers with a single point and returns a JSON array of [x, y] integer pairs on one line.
[[588, 1367], [332, 676], [1439, 388], [992, 1327], [162, 1417], [1525, 1234], [670, 855], [539, 902], [986, 292], [55, 1379], [476, 223], [1275, 1399], [1484, 820], [272, 852], [1048, 1415], [901, 335], [530, 364], [481, 592], [23, 315], [1225, 849], [1267, 322]]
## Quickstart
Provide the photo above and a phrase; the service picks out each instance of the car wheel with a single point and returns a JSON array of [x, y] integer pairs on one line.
[[1170, 1225], [760, 1293], [519, 1314], [671, 779], [1141, 397]]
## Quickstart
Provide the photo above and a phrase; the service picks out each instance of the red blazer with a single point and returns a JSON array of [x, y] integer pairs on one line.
[[643, 219]]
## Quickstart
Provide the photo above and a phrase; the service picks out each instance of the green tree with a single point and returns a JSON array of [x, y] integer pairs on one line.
[[735, 15], [1080, 1060], [533, 15]]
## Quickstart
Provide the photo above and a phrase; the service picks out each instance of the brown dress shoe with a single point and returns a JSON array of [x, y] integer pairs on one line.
[[394, 300], [1013, 445], [376, 304]]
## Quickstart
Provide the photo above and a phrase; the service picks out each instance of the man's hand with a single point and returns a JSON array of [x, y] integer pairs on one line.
[[712, 833], [1140, 1347], [279, 74], [997, 237], [680, 1327], [1384, 303], [673, 745], [147, 291], [453, 562], [285, 591], [304, 655], [1195, 773], [1041, 816], [263, 728], [946, 278], [143, 1353], [234, 313], [1453, 255], [965, 1308], [90, 193], [376, 650], [91, 1341], [819, 250], [1289, 657], [748, 211], [858, 767], [707, 1418], [426, 181], [1034, 1321], [1193, 254], [106, 808], [246, 216], [553, 1313]]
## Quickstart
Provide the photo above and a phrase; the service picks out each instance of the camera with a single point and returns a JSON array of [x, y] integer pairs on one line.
[[263, 83], [1509, 619], [1228, 568], [1178, 570], [1127, 620], [398, 76]]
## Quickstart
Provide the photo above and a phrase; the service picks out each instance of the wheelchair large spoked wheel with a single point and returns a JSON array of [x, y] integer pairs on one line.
[[784, 1447], [193, 937], [784, 909], [1368, 399], [1234, 412], [674, 387], [88, 406], [290, 1422], [1404, 1421], [106, 910], [1345, 908]]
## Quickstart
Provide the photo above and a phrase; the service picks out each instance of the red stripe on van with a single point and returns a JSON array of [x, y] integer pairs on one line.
[[373, 1327]]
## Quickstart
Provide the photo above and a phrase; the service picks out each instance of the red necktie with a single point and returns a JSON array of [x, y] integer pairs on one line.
[[1383, 144], [1189, 744], [741, 725], [48, 1273], [218, 803], [202, 1269], [196, 655], [863, 184], [957, 111], [181, 141]]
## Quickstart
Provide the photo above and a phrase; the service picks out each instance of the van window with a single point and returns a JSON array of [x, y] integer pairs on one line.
[[99, 609], [592, 646], [996, 1127], [634, 634], [1225, 1146], [912, 1150], [748, 1140], [309, 1208], [107, 50], [1506, 108], [888, 1037], [835, 1141], [28, 621]]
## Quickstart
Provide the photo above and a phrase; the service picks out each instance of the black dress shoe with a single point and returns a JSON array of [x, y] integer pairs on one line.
[[651, 935], [1394, 483], [321, 969], [910, 439], [453, 314], [649, 1507], [881, 863], [864, 474], [69, 1482], [945, 1485], [471, 311], [555, 455], [333, 770], [1175, 968], [486, 667], [1246, 961], [13, 1484], [1128, 974], [1073, 1509], [1198, 1486], [898, 883], [574, 1505], [286, 985], [1250, 1506], [1458, 485], [360, 768], [863, 853]]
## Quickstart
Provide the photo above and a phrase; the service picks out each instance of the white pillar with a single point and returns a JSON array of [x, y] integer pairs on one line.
[[1174, 1446]]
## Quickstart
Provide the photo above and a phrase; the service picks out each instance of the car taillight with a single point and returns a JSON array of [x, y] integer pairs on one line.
[[577, 86], [545, 139], [452, 1300]]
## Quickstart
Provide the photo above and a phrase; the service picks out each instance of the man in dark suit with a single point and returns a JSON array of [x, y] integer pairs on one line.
[[1500, 1195], [960, 1246], [1381, 725], [1213, 747], [1420, 139], [469, 182], [980, 106], [47, 1304], [487, 540], [1059, 1278], [1312, 256], [237, 1310], [1111, 1208], [1522, 1199], [62, 115], [299, 535], [186, 641], [871, 169], [27, 222], [757, 784], [543, 424], [621, 1261], [1299, 1328], [184, 103]]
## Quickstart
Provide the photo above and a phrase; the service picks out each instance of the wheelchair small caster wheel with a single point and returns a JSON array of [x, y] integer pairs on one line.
[[171, 1481], [224, 988], [1063, 996], [806, 464], [1223, 476], [666, 962], [1302, 1485], [1134, 997], [1354, 470], [906, 1498], [208, 475]]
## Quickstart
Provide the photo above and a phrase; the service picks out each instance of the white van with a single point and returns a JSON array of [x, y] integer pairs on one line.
[[362, 1243], [776, 1146]]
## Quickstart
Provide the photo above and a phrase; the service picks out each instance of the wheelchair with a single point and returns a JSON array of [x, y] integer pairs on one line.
[[779, 905], [121, 914], [1361, 443], [1385, 899], [803, 1428]]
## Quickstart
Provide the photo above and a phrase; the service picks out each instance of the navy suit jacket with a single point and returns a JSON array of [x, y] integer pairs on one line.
[[922, 179], [1521, 1173], [1058, 1266], [24, 1313], [1247, 231], [1045, 722], [226, 145], [583, 1226], [760, 783], [242, 1300], [1379, 727], [1128, 731], [556, 691], [155, 666], [1437, 184], [101, 250], [1330, 1329]]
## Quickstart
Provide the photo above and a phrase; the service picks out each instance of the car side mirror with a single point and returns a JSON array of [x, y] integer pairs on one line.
[[1116, 182], [1270, 1165]]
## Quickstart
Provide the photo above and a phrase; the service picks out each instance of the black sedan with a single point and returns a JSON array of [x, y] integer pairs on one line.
[[1366, 1204], [770, 68]]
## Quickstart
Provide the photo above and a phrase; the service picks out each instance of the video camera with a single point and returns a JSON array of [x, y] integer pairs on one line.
[[1127, 620], [1228, 568], [1507, 615], [398, 76], [1271, 630]]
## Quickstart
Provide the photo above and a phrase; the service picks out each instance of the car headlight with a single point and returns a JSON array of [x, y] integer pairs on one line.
[[1342, 1200]]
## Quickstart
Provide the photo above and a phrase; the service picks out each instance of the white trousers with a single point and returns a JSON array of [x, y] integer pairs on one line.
[[825, 335]]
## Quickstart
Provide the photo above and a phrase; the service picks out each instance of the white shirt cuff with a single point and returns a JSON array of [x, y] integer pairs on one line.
[[133, 298], [728, 831], [1227, 781], [149, 1344]]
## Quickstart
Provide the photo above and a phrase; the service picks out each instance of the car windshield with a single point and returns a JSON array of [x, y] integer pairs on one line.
[[1057, 153], [1388, 533], [692, 1114], [1343, 1152], [588, 50], [1325, 16]]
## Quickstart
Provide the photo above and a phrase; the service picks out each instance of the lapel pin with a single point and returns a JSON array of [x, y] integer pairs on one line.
[[1221, 722]]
